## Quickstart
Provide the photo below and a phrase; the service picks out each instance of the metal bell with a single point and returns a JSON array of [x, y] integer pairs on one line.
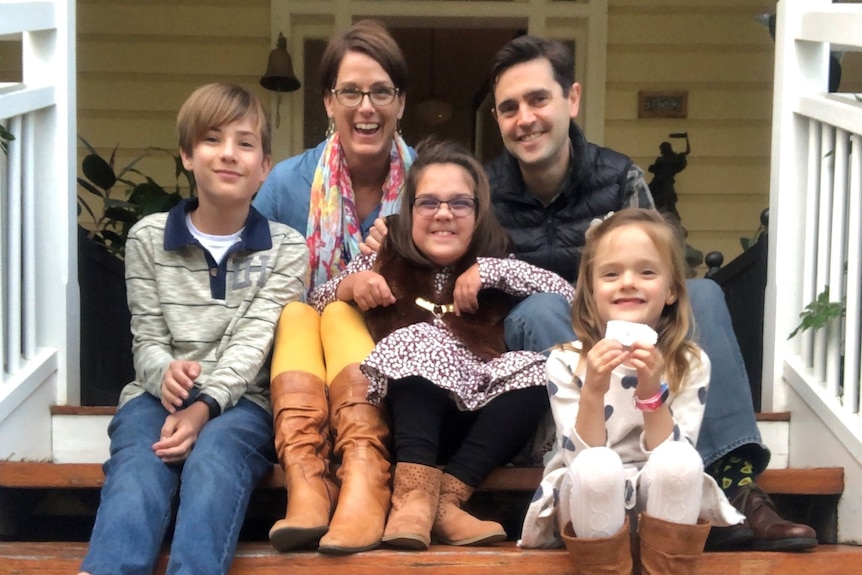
[[279, 76]]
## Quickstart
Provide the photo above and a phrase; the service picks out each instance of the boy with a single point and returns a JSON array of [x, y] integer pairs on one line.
[[206, 283]]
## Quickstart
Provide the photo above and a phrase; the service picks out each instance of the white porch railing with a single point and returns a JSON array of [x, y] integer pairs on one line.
[[815, 226], [38, 262]]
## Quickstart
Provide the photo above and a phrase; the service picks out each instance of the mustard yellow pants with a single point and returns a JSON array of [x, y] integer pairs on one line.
[[320, 344]]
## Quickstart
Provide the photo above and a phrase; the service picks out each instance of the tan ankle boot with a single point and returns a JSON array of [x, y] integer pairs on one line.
[[453, 525], [361, 440], [414, 504], [670, 548], [603, 556], [300, 414]]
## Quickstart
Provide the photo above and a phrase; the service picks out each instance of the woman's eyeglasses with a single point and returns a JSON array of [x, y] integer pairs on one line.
[[458, 207], [352, 97]]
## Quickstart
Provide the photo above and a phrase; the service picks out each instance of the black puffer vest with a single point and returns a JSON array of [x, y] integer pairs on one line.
[[481, 333], [552, 236]]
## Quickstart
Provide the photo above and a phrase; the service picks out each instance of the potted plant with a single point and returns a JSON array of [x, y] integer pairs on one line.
[[116, 200]]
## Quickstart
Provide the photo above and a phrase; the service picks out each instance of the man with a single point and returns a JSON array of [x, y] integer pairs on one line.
[[547, 187]]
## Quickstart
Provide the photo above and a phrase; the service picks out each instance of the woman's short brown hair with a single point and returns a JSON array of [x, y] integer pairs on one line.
[[368, 37]]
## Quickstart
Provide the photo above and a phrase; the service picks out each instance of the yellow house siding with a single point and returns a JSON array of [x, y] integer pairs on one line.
[[10, 61], [138, 61], [723, 57]]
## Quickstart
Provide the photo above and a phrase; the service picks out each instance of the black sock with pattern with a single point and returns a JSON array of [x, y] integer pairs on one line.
[[731, 472]]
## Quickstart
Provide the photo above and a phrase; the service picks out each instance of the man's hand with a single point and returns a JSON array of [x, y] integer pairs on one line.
[[367, 288], [467, 288], [177, 382], [180, 431], [375, 237]]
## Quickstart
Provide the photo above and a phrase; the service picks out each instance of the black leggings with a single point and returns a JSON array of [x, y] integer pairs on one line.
[[429, 428]]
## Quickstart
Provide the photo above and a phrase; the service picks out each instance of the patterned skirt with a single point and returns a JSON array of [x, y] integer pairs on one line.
[[433, 353]]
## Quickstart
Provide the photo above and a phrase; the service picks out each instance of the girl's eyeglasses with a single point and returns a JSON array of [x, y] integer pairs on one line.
[[458, 207]]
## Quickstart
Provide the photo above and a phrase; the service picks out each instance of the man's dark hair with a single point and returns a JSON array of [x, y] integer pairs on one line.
[[527, 48]]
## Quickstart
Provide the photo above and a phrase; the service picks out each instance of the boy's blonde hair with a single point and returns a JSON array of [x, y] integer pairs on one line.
[[216, 105], [676, 318]]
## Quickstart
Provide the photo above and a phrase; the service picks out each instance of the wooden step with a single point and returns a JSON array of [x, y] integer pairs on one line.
[[41, 475], [504, 559]]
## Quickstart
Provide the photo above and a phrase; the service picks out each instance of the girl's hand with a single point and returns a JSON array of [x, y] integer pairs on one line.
[[367, 288], [602, 359], [649, 363], [177, 382], [467, 288]]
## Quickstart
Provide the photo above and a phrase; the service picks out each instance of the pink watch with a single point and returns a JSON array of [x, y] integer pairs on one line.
[[654, 402]]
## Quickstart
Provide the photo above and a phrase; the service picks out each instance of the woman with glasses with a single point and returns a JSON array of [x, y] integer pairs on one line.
[[435, 296], [332, 194]]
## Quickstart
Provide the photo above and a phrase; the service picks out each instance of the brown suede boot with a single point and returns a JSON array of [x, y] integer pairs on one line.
[[414, 504], [668, 548], [361, 440], [602, 556], [300, 413], [453, 525]]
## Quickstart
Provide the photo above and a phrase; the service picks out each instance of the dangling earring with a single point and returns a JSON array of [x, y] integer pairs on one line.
[[398, 126], [330, 129]]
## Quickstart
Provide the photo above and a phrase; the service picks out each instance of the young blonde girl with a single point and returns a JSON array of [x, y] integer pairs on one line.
[[628, 416], [435, 297]]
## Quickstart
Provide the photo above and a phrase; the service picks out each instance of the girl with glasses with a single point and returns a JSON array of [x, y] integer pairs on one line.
[[435, 296]]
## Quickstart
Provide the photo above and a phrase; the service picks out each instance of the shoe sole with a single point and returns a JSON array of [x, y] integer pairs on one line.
[[338, 550], [297, 538], [476, 541], [795, 544], [409, 541]]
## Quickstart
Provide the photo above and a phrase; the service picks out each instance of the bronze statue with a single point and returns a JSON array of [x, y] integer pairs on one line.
[[664, 169]]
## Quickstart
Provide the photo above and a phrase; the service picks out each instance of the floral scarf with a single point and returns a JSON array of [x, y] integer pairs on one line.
[[333, 233]]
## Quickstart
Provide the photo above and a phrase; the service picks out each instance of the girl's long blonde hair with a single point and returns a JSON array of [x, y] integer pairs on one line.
[[676, 320]]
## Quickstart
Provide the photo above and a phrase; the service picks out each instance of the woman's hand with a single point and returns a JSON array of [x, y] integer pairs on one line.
[[367, 288], [177, 382], [467, 288], [375, 237]]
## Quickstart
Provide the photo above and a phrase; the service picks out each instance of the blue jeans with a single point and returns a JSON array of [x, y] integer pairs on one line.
[[231, 455], [544, 320]]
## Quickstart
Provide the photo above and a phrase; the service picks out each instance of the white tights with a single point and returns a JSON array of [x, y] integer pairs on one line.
[[592, 495]]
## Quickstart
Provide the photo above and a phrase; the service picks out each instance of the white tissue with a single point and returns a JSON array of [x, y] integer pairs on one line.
[[627, 332]]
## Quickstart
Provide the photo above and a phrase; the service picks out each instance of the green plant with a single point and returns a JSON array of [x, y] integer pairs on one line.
[[126, 196], [818, 313], [5, 137], [746, 242]]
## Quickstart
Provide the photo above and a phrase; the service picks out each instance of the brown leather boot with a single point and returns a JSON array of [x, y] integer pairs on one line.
[[668, 548], [603, 556], [453, 525], [414, 504], [771, 532], [361, 440], [300, 413]]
